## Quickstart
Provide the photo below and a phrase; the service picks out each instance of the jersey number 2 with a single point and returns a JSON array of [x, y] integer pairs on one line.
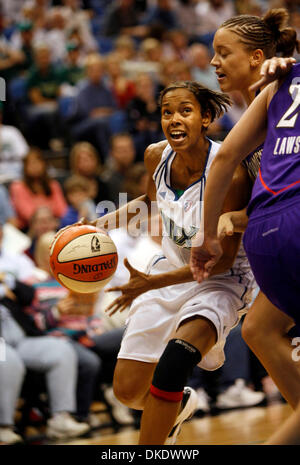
[[289, 119]]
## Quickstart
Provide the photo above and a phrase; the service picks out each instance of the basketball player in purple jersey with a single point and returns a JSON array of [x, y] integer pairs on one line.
[[241, 45], [271, 239]]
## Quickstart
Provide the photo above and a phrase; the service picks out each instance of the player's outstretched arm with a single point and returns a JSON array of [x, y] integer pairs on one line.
[[217, 254], [139, 283], [248, 133], [142, 205]]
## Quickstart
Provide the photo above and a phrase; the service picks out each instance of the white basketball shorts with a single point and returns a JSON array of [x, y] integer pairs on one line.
[[155, 315]]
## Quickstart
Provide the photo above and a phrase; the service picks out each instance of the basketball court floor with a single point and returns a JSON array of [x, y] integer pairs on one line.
[[251, 426]]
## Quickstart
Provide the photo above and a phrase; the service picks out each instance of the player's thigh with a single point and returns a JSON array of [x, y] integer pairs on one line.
[[265, 318], [198, 331]]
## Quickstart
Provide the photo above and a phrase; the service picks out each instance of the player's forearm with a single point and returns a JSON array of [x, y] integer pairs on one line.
[[184, 275], [178, 276], [123, 215], [223, 265]]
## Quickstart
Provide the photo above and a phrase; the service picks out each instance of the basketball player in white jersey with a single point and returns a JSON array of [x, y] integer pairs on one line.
[[173, 328]]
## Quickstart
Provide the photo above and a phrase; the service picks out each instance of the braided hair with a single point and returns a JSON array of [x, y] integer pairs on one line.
[[214, 102], [269, 33]]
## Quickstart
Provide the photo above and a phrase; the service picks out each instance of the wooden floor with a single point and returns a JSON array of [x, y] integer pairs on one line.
[[236, 427]]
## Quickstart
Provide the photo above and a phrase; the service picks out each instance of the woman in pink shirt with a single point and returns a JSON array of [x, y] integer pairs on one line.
[[36, 189]]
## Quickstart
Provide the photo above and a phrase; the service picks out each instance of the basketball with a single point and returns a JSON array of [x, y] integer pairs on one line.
[[83, 259]]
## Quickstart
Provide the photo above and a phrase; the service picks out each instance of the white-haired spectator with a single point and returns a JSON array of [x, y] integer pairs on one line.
[[13, 149]]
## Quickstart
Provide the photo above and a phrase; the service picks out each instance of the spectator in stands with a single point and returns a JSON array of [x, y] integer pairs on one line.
[[121, 17], [237, 108], [143, 59], [256, 7], [143, 115], [72, 71], [11, 10], [187, 17], [23, 40], [80, 203], [36, 189], [40, 12], [27, 347], [125, 47], [212, 13], [221, 126], [122, 88], [148, 59], [85, 162], [121, 158], [78, 19], [93, 107], [13, 148], [161, 14], [178, 41], [181, 71], [135, 182], [56, 35], [10, 58], [7, 212], [42, 221], [201, 69], [43, 85], [151, 50]]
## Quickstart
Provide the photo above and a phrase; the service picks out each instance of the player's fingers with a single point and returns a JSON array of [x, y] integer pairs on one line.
[[229, 229], [272, 65], [117, 308], [114, 289], [111, 305], [258, 84], [128, 266], [197, 274], [196, 269], [208, 268], [124, 306], [112, 312]]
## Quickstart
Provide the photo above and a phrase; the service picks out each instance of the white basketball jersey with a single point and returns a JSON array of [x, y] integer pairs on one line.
[[182, 216]]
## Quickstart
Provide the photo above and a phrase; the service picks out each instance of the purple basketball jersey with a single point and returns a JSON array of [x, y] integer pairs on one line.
[[279, 174]]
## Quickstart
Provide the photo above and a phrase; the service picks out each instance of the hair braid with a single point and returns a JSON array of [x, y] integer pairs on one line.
[[269, 33]]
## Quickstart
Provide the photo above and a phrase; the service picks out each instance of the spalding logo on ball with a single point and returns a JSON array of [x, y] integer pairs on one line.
[[83, 259]]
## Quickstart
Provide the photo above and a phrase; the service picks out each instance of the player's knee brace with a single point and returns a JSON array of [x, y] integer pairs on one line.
[[173, 369]]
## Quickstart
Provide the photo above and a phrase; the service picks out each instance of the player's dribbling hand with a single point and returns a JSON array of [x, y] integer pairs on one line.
[[137, 285], [80, 222], [273, 69]]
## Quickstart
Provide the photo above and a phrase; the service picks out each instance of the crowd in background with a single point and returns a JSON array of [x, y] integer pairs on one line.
[[82, 80]]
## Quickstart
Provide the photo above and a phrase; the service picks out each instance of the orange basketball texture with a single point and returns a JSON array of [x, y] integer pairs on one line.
[[83, 259]]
